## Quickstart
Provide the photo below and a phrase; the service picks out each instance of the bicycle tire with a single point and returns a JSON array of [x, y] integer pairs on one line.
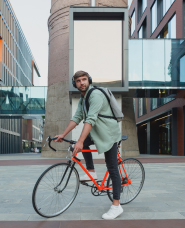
[[45, 190], [136, 173]]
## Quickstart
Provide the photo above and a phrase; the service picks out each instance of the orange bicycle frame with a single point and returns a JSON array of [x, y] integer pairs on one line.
[[102, 187]]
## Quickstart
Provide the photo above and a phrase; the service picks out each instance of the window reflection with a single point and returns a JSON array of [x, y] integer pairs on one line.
[[173, 27], [168, 63], [166, 5], [182, 69], [142, 106], [157, 102], [141, 33], [23, 100], [142, 4], [135, 62], [169, 30], [133, 19], [154, 16], [153, 62]]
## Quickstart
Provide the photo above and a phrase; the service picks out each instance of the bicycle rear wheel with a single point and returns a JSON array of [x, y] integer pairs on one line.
[[50, 196], [136, 174]]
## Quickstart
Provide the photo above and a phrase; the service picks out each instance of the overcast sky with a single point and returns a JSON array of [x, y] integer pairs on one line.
[[33, 16]]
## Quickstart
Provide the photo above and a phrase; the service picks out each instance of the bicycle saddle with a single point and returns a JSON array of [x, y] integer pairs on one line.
[[124, 137]]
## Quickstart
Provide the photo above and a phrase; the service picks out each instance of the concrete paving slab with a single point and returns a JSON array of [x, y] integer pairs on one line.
[[157, 215], [14, 217], [162, 196]]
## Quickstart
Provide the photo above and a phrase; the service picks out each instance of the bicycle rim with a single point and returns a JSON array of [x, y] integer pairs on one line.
[[47, 200], [136, 174]]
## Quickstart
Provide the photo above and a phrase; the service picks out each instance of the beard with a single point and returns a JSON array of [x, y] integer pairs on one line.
[[84, 89]]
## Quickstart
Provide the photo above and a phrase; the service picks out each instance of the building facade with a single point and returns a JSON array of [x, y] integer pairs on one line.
[[17, 64], [17, 68], [160, 121], [157, 19], [60, 101]]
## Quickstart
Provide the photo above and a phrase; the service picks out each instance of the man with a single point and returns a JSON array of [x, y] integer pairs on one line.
[[101, 131]]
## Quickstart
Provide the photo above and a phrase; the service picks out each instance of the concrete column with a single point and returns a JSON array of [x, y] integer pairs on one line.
[[58, 108], [130, 146]]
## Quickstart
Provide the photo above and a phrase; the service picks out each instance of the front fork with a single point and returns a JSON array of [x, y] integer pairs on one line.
[[124, 180], [71, 165]]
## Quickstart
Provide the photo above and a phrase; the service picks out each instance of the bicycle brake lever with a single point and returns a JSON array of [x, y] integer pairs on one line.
[[46, 141]]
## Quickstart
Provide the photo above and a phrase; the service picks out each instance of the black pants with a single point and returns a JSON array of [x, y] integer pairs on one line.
[[111, 163]]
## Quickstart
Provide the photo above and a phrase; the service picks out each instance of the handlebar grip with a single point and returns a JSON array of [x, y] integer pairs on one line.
[[51, 139], [69, 141], [54, 138]]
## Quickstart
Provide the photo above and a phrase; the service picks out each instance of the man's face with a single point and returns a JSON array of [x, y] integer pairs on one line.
[[82, 83]]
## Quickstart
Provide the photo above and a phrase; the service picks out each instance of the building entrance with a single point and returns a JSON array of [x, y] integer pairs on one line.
[[165, 140]]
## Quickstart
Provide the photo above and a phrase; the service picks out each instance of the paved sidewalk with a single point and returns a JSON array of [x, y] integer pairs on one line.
[[172, 223], [161, 203], [37, 159], [162, 197]]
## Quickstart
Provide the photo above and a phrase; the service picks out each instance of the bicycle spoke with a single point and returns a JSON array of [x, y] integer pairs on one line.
[[48, 201], [135, 173]]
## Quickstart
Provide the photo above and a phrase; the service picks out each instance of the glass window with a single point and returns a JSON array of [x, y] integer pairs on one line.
[[129, 3], [153, 62], [140, 33], [36, 77], [154, 16], [166, 5], [140, 106], [157, 102], [172, 27], [169, 30], [168, 59], [154, 103], [135, 59], [144, 5], [133, 23], [182, 69]]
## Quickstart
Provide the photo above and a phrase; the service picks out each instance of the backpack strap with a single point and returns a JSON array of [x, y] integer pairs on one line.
[[87, 98], [87, 101]]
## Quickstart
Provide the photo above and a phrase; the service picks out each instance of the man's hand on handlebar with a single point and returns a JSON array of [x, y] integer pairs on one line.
[[77, 148], [59, 138]]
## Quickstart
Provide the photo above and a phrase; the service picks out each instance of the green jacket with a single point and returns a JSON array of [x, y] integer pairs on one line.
[[105, 131]]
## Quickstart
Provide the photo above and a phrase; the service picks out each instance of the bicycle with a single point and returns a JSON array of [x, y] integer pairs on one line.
[[57, 187]]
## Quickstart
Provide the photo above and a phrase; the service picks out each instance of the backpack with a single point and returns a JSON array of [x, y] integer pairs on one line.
[[117, 113]]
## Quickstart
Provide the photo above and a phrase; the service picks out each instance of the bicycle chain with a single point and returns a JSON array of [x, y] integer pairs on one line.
[[94, 189]]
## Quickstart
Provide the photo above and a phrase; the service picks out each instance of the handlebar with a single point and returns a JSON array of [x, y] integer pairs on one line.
[[49, 139]]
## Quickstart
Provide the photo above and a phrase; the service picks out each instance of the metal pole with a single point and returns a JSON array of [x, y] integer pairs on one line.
[[93, 3]]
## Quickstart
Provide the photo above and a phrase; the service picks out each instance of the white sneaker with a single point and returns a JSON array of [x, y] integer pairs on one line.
[[113, 212], [87, 178]]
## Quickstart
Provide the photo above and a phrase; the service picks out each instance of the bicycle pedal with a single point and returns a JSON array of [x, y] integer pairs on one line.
[[124, 181], [83, 182]]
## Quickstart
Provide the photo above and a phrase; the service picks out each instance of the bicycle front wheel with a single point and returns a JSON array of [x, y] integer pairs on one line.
[[136, 174], [52, 193]]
